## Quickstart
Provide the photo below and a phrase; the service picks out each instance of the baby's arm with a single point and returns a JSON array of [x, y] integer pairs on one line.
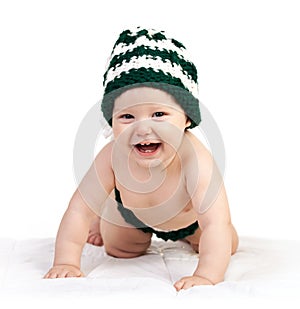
[[215, 245], [74, 227], [210, 201], [71, 237]]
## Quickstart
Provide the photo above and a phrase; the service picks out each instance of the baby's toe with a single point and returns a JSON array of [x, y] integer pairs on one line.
[[95, 240]]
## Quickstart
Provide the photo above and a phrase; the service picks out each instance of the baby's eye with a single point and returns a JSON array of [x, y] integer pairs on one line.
[[126, 116], [158, 114]]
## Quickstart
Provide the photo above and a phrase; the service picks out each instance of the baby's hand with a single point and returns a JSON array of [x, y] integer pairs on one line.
[[188, 282], [63, 271]]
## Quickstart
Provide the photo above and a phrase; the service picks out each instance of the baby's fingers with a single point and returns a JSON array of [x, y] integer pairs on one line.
[[63, 272], [71, 274], [182, 284], [51, 275], [188, 282], [178, 285]]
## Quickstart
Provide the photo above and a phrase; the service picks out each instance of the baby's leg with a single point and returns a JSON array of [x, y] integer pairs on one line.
[[194, 239], [124, 242], [94, 237]]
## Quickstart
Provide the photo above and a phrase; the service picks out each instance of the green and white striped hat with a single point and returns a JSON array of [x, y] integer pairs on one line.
[[146, 57]]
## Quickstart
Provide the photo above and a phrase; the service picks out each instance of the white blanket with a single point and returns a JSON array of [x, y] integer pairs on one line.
[[261, 268]]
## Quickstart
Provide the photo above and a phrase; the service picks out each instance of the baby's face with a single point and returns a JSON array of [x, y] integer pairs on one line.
[[148, 124]]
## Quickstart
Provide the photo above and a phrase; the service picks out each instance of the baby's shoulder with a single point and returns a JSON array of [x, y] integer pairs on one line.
[[104, 155], [195, 156], [195, 149]]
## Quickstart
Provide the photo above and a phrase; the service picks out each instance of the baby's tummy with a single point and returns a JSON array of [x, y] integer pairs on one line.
[[165, 220], [180, 221]]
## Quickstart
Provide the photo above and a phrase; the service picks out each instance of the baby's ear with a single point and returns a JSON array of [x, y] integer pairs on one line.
[[188, 122]]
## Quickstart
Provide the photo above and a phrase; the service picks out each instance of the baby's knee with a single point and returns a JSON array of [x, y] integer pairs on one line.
[[235, 241], [127, 250], [125, 253]]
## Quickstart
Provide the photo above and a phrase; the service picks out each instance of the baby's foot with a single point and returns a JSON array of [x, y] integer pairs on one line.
[[94, 237]]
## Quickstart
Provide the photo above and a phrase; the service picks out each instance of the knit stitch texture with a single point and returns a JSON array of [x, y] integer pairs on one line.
[[146, 57]]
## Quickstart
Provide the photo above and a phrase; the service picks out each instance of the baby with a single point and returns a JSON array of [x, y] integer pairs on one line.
[[155, 176]]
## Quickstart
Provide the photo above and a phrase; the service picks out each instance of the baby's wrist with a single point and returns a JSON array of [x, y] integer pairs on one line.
[[206, 276], [206, 279], [65, 264]]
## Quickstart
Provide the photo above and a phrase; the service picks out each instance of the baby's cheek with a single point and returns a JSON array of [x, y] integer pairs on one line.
[[169, 134]]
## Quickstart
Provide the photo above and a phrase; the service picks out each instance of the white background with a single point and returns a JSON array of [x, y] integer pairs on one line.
[[53, 56]]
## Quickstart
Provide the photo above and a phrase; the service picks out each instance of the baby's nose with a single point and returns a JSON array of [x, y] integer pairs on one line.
[[143, 127]]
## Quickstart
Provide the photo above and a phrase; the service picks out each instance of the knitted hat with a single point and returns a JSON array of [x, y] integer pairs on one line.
[[146, 57]]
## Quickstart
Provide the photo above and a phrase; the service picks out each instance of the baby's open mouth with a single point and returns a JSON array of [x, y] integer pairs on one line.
[[147, 148]]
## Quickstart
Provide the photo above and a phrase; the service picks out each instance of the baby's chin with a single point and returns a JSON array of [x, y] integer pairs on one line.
[[150, 163], [159, 162]]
